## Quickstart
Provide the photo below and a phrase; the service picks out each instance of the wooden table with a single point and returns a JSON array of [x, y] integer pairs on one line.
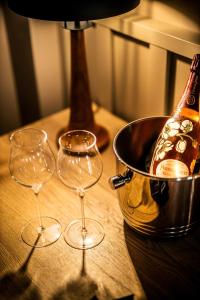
[[55, 270], [123, 264]]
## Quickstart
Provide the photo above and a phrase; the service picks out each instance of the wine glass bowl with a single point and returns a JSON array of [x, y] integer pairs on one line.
[[32, 164], [79, 166]]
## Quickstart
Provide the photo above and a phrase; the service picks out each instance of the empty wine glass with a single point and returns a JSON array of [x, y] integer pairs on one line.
[[79, 167], [32, 164]]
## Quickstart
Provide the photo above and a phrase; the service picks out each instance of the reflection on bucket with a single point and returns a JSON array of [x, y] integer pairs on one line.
[[153, 206]]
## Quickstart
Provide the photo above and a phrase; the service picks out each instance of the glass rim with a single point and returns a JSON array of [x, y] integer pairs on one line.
[[76, 131], [12, 136]]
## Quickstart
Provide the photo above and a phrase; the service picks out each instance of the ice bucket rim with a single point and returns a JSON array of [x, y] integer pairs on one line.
[[153, 177]]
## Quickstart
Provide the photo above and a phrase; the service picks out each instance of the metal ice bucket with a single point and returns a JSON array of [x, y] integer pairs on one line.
[[153, 206]]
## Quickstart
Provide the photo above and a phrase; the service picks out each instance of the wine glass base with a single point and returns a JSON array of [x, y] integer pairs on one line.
[[38, 236], [76, 238]]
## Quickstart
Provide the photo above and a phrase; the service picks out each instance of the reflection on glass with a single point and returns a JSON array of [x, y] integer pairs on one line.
[[79, 167], [32, 164]]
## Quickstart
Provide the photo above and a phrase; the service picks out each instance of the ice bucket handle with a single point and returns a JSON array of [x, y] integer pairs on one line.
[[119, 180]]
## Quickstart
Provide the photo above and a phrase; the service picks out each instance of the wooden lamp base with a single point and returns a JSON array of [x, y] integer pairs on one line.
[[81, 113]]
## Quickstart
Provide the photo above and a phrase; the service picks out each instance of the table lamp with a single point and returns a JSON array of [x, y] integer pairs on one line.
[[76, 16]]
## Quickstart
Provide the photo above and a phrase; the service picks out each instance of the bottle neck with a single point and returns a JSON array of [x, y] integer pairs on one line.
[[190, 98]]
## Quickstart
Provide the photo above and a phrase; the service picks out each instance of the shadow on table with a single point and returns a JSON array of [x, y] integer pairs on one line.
[[18, 285], [168, 269], [83, 287]]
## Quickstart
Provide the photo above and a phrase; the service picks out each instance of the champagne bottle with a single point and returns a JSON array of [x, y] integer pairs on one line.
[[177, 147]]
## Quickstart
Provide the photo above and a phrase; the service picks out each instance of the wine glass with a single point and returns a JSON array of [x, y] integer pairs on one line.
[[79, 166], [32, 164]]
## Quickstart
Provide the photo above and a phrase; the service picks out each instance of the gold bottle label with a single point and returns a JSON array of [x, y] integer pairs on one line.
[[172, 168], [175, 139]]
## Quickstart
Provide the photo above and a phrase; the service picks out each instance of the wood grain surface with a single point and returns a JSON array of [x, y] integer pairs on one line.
[[59, 271], [123, 265]]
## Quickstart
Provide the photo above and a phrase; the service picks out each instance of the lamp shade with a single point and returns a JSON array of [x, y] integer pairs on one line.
[[71, 10]]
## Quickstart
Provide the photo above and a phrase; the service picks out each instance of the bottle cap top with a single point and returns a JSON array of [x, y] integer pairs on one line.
[[195, 62]]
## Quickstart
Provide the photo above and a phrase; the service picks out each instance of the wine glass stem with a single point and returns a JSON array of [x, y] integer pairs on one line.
[[81, 195], [39, 212]]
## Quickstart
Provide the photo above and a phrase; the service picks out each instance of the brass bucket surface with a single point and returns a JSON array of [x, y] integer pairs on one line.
[[153, 206]]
